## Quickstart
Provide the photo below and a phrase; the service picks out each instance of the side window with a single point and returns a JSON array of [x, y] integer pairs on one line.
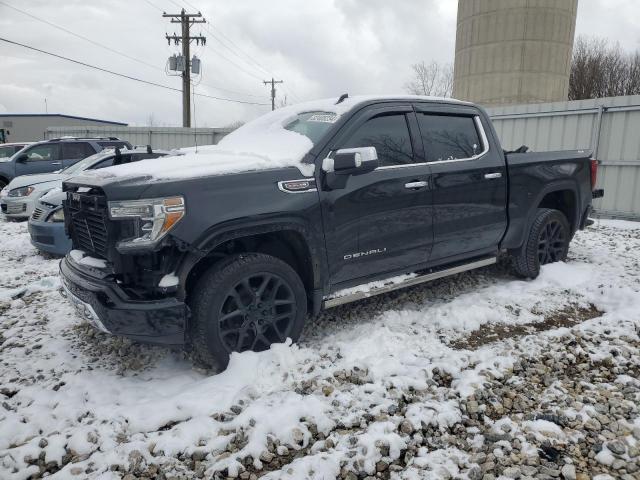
[[76, 150], [6, 152], [108, 162], [389, 134], [449, 137], [39, 153]]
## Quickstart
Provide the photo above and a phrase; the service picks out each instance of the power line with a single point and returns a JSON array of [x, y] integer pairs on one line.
[[253, 64], [122, 54], [239, 67], [242, 51], [154, 6], [80, 36], [123, 75]]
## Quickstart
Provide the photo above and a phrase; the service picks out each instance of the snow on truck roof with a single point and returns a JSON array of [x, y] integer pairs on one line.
[[264, 143]]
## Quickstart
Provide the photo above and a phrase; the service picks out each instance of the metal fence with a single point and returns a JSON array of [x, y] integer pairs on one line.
[[158, 137], [608, 126]]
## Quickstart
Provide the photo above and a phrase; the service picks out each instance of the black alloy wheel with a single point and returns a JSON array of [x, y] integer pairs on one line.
[[258, 311], [552, 243], [547, 242], [244, 302]]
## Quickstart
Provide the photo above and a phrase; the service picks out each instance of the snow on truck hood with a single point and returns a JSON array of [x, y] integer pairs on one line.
[[261, 144]]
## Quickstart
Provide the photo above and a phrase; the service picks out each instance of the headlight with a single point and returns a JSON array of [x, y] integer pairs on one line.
[[56, 216], [154, 218], [21, 192]]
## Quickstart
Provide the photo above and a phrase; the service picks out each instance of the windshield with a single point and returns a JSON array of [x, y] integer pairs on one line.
[[84, 164], [312, 125]]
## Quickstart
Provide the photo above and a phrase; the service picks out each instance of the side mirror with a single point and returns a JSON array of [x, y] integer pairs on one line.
[[22, 158], [351, 161]]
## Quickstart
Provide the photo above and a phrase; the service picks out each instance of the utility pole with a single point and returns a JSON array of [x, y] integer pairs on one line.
[[186, 20], [273, 90]]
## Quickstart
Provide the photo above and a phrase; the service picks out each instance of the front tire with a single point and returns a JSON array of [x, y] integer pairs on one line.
[[548, 242], [245, 302]]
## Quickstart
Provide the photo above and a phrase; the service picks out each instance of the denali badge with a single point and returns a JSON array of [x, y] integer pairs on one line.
[[350, 256]]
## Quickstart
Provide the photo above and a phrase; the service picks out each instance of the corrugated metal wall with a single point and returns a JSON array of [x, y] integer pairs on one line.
[[609, 126], [158, 137]]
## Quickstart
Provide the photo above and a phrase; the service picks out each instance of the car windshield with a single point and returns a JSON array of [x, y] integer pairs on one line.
[[85, 163], [312, 125]]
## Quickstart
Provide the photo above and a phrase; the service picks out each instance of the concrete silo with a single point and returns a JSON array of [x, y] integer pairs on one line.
[[514, 51]]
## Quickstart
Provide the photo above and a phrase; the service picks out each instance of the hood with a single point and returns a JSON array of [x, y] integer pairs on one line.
[[207, 162], [54, 197], [26, 180]]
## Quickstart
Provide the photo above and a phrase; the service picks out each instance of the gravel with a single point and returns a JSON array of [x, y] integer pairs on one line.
[[556, 394]]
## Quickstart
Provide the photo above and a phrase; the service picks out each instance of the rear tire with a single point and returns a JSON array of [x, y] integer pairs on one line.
[[245, 302], [548, 242]]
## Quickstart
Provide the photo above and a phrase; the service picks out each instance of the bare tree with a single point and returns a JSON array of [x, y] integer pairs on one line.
[[433, 79], [602, 70]]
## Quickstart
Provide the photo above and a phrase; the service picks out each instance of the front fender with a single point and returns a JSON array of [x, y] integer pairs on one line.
[[215, 236]]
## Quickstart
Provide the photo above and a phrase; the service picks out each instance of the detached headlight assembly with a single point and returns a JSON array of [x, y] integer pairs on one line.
[[153, 218], [21, 192], [56, 216]]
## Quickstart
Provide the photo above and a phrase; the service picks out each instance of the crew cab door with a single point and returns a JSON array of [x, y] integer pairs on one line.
[[469, 182], [380, 221], [41, 158]]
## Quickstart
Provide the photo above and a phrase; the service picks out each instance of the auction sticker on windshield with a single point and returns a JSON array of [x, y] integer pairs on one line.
[[323, 117]]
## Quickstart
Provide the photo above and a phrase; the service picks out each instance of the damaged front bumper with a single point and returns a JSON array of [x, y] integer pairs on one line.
[[99, 299]]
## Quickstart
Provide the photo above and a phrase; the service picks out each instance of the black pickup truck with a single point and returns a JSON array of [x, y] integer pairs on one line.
[[230, 248]]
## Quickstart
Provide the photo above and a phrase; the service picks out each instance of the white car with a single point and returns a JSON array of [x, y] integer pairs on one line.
[[19, 197]]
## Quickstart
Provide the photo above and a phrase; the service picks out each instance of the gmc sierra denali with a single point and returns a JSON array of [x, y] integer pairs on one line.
[[231, 247]]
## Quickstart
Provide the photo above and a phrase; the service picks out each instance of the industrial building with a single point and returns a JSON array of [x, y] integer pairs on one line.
[[25, 127], [514, 51]]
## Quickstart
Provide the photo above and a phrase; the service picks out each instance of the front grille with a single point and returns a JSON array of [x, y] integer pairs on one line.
[[37, 214], [89, 225], [14, 208]]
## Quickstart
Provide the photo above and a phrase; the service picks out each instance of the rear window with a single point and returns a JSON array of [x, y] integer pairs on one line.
[[76, 150]]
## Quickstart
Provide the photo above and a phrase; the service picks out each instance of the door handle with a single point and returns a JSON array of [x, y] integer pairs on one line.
[[489, 176], [56, 163], [415, 184]]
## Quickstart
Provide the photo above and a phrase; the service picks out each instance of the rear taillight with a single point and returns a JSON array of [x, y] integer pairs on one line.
[[594, 173]]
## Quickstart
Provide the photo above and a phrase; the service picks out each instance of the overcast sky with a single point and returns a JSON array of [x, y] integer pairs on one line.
[[318, 47]]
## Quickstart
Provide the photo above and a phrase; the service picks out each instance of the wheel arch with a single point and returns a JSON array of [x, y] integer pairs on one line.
[[551, 195], [290, 241], [564, 200]]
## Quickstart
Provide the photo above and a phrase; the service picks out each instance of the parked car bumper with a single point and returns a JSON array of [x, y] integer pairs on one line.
[[17, 207], [101, 301], [49, 237]]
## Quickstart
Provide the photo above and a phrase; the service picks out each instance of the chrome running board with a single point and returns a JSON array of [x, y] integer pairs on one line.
[[427, 277]]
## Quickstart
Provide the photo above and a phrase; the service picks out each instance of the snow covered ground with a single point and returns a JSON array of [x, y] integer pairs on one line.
[[476, 376]]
